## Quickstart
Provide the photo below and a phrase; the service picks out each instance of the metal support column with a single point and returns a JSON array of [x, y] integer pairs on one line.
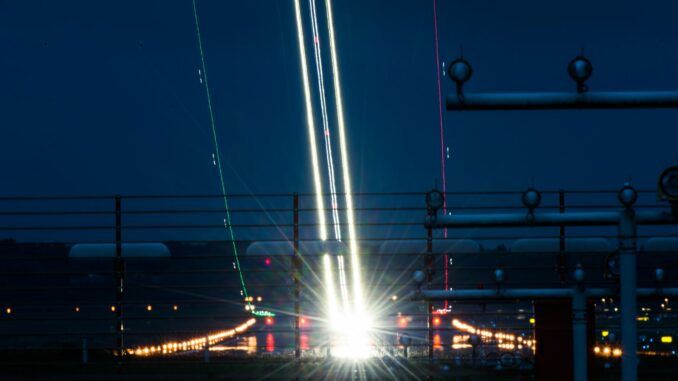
[[428, 263], [296, 271], [627, 258], [120, 275], [561, 265], [579, 334]]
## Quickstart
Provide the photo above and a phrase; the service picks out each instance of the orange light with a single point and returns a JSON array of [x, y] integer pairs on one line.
[[402, 322], [8, 310], [175, 307], [436, 321], [112, 308], [269, 321], [302, 322]]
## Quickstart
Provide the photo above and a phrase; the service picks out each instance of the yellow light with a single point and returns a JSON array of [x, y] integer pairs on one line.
[[8, 310], [532, 320], [606, 350], [175, 307], [112, 308], [596, 349], [149, 307], [604, 333], [617, 352], [643, 318], [667, 339], [310, 125]]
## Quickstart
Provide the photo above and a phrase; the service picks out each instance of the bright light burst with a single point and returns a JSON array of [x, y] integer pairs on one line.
[[348, 322]]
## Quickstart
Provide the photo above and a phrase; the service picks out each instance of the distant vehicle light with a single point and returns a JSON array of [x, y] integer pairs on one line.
[[149, 308], [77, 309], [112, 308], [8, 310], [175, 307]]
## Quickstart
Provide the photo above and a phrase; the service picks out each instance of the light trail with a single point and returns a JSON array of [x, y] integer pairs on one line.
[[350, 324], [217, 155], [194, 344], [310, 125], [442, 137], [326, 125], [355, 261]]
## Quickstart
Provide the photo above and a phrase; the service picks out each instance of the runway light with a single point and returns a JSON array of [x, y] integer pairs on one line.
[[402, 322], [667, 339]]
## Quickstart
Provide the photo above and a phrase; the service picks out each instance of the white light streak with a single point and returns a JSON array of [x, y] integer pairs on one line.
[[326, 124], [310, 125], [355, 262]]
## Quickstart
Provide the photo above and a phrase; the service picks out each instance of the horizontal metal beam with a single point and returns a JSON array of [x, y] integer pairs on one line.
[[524, 219], [550, 101], [532, 293], [547, 219]]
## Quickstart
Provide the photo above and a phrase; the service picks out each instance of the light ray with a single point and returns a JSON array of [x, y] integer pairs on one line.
[[310, 125], [326, 126], [346, 177]]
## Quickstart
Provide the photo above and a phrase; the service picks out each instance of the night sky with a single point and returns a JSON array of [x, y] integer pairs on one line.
[[103, 97]]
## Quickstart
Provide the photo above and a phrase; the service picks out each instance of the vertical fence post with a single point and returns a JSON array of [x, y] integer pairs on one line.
[[429, 262], [561, 262], [296, 271], [119, 274], [627, 277]]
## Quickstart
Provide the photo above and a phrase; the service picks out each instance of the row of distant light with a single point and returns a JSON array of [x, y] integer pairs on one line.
[[149, 308], [190, 345]]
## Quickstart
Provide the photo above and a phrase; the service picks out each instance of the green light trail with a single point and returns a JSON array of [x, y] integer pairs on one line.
[[217, 154]]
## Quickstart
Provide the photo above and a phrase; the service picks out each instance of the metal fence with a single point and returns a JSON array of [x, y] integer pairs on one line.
[[126, 281]]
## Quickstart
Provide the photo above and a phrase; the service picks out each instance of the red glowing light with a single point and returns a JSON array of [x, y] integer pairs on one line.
[[436, 321], [267, 261], [269, 321]]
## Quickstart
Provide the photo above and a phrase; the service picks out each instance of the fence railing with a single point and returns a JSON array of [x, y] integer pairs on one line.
[[128, 279]]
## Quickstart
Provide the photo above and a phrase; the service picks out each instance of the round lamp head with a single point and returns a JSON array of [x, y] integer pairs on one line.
[[460, 71], [627, 195], [580, 69], [435, 199], [531, 198], [668, 184]]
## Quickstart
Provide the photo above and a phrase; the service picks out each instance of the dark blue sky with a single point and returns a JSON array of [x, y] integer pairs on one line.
[[103, 97]]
